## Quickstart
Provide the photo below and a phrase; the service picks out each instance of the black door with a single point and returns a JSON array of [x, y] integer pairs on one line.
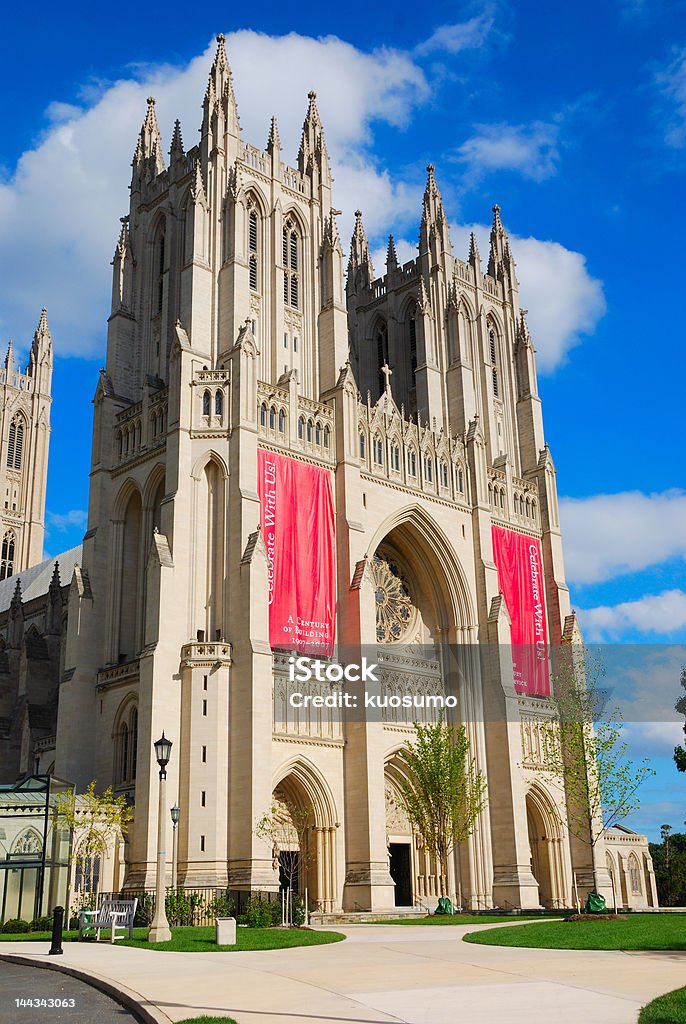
[[401, 873]]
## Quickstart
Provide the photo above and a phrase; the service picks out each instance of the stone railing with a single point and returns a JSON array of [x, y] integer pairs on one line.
[[312, 433], [201, 653], [117, 674]]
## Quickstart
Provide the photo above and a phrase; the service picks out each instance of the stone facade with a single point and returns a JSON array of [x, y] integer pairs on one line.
[[232, 330]]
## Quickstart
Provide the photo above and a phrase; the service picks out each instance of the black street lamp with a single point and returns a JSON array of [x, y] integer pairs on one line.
[[159, 929]]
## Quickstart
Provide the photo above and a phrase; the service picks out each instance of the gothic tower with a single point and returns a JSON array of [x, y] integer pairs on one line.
[[25, 436], [411, 400]]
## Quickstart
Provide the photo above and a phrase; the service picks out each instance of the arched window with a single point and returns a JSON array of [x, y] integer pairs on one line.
[[263, 415], [382, 354], [126, 747], [301, 428], [15, 443], [310, 425], [395, 457], [291, 265], [272, 417], [460, 481], [377, 449], [206, 403], [428, 468], [412, 462], [493, 351], [7, 556], [218, 403], [635, 876], [252, 249], [363, 446], [282, 421], [317, 433], [413, 349], [327, 434], [160, 272], [444, 474]]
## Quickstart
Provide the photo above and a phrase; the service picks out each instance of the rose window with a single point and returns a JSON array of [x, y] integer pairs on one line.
[[394, 608]]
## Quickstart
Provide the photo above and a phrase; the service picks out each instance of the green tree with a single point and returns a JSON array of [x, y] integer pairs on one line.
[[94, 820], [583, 749], [669, 863], [442, 790], [679, 750], [285, 827]]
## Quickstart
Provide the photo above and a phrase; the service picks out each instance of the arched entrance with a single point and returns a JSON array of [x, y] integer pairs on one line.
[[303, 834], [545, 844]]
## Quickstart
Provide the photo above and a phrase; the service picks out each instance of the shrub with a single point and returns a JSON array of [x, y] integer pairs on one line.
[[16, 926], [258, 912], [41, 924], [178, 907], [221, 906], [144, 911], [298, 911]]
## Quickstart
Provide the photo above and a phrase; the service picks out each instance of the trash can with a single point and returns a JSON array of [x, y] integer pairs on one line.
[[226, 931]]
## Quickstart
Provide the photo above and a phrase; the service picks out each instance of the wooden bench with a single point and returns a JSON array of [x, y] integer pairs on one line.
[[113, 915]]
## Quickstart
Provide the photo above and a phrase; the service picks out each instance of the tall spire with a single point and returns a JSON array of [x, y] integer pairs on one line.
[[498, 242], [220, 112], [474, 258], [274, 140], [360, 269], [433, 232], [313, 155], [41, 348], [9, 358], [148, 160], [176, 149], [391, 255]]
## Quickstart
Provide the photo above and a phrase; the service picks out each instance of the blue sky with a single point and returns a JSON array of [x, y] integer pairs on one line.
[[572, 119]]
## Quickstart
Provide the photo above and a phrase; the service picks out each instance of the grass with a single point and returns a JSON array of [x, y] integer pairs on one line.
[[207, 1020], [667, 1009], [635, 931], [460, 919], [201, 940]]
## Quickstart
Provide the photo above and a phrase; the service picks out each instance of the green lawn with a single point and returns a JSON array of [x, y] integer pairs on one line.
[[635, 931], [207, 1020], [668, 1009], [459, 919], [201, 940]]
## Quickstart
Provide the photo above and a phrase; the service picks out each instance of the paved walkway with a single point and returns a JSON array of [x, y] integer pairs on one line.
[[420, 975], [29, 994]]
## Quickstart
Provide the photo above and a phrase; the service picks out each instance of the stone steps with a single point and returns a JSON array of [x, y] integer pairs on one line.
[[365, 916]]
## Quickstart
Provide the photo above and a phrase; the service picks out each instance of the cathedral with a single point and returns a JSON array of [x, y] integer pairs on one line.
[[292, 456]]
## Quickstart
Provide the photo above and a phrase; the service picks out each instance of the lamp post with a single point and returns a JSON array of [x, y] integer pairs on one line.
[[175, 815], [159, 929]]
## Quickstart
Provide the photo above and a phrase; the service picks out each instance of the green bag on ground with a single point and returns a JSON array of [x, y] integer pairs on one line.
[[595, 904], [444, 906]]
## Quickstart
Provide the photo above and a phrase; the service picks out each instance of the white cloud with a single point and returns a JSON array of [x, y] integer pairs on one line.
[[661, 614], [672, 84], [465, 35], [63, 521], [59, 211], [529, 149], [609, 535], [563, 299]]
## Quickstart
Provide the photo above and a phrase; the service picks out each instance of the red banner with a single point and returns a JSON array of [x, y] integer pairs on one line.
[[520, 578], [298, 526]]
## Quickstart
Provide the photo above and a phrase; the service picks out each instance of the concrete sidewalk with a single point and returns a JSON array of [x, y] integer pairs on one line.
[[414, 975]]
